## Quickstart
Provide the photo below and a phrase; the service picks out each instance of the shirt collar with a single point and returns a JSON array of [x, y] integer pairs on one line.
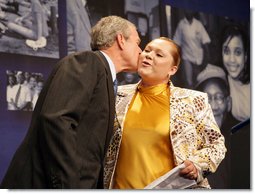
[[112, 66], [187, 22]]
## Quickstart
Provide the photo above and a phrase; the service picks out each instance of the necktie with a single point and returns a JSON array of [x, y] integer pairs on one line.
[[17, 95], [115, 87]]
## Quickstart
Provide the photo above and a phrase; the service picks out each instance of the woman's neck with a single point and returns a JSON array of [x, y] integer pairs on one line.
[[148, 84]]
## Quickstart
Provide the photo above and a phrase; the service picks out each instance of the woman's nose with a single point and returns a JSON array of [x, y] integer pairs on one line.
[[148, 56], [232, 57]]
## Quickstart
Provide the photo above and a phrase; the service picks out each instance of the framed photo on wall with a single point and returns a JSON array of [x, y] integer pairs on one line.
[[23, 89], [29, 28], [215, 55]]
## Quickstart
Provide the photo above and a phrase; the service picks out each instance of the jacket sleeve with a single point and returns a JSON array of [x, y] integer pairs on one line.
[[211, 143], [67, 99]]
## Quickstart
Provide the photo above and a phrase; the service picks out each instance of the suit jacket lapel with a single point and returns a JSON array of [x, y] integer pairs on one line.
[[109, 76], [111, 96]]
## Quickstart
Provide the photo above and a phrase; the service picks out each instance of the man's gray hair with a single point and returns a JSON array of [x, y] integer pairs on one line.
[[104, 33]]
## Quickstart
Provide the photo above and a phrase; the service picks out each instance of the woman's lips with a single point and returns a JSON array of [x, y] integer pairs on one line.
[[233, 68], [145, 63]]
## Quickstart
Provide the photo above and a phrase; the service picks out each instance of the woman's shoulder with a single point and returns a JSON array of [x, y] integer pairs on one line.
[[127, 88], [187, 93]]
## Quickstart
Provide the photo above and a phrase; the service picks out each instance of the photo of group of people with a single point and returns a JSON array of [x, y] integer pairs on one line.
[[29, 27], [209, 41], [215, 60], [23, 89]]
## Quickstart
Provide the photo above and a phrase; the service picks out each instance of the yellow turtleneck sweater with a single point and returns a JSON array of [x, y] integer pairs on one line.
[[145, 151]]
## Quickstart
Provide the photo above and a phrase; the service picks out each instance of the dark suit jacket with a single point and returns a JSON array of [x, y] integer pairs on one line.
[[70, 128]]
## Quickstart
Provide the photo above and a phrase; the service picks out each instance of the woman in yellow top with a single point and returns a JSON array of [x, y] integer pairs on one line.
[[160, 126]]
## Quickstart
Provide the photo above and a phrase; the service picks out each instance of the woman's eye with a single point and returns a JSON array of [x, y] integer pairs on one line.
[[238, 52], [226, 50]]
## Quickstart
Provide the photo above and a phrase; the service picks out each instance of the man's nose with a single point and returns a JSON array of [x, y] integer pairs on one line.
[[214, 104]]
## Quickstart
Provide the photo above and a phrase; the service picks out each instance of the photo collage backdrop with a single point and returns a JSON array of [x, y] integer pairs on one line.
[[31, 46]]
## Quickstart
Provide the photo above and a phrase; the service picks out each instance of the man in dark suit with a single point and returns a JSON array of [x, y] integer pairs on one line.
[[73, 119]]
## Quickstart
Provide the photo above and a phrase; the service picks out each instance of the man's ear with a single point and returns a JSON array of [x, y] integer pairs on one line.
[[120, 40]]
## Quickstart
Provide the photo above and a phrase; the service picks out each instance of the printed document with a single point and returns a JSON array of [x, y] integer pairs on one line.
[[172, 180]]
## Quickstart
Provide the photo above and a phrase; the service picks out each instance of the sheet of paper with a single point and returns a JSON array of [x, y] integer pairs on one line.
[[171, 180]]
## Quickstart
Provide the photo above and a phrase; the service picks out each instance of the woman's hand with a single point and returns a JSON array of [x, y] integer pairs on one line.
[[190, 171]]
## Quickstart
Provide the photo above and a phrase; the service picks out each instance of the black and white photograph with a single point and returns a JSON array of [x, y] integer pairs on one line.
[[215, 60], [29, 27], [81, 16], [213, 41], [78, 25], [23, 89]]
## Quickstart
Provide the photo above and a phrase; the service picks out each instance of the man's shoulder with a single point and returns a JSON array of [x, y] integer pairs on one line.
[[86, 53], [83, 57], [80, 54]]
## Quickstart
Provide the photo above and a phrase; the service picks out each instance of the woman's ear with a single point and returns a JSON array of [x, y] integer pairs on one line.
[[245, 58], [172, 70]]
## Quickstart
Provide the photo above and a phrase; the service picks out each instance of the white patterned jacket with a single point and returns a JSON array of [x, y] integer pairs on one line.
[[193, 132]]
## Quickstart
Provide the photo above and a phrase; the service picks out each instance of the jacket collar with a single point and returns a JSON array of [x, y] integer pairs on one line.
[[132, 88]]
